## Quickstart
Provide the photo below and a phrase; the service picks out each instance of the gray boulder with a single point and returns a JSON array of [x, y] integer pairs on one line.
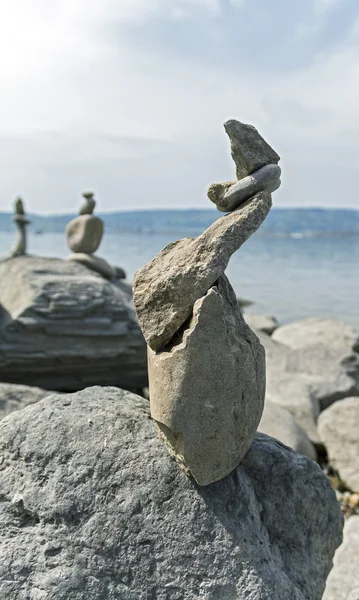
[[264, 323], [318, 330], [15, 397], [166, 288], [338, 428], [278, 422], [249, 150], [93, 507], [97, 264], [64, 327], [84, 233], [343, 580]]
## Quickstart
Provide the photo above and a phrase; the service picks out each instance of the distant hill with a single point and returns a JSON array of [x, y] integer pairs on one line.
[[280, 221]]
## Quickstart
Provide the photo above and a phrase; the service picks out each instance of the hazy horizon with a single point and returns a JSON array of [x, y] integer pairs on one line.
[[128, 99]]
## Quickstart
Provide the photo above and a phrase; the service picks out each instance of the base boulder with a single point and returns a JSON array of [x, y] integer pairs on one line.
[[93, 507]]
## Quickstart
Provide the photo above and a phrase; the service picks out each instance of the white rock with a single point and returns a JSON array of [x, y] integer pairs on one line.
[[318, 330], [343, 580], [264, 323], [338, 428]]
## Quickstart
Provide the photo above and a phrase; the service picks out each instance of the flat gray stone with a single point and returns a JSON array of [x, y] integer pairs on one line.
[[84, 233], [264, 323], [208, 388], [338, 428], [95, 263], [249, 150], [229, 195], [279, 423], [65, 327], [15, 397], [94, 508], [166, 289], [318, 330], [334, 370], [343, 580]]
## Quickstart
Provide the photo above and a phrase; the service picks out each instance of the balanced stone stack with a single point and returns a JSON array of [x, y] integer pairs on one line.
[[21, 221], [84, 235], [206, 366]]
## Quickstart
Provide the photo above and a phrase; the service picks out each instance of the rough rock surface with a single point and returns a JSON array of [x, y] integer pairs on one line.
[[249, 150], [95, 263], [264, 323], [280, 424], [338, 428], [343, 580], [94, 508], [15, 397], [166, 289], [228, 196], [84, 233], [208, 387], [318, 330], [64, 327]]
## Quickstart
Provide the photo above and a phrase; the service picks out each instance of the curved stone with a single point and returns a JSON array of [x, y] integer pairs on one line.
[[208, 387], [229, 197], [166, 289], [84, 234], [93, 507]]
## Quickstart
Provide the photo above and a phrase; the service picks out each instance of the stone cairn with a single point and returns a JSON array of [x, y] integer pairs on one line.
[[21, 221], [206, 366], [84, 235]]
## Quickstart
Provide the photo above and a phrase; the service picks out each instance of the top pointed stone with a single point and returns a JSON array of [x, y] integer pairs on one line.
[[249, 150]]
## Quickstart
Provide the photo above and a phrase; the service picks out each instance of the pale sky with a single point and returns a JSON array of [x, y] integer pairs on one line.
[[127, 98]]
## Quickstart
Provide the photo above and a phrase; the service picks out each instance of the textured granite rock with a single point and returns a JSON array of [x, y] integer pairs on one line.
[[97, 264], [166, 289], [279, 423], [229, 195], [343, 580], [64, 327], [249, 150], [207, 388], [15, 397], [94, 508], [338, 428], [264, 323], [84, 233], [318, 330]]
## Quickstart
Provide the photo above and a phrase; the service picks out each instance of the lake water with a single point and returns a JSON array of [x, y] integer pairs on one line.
[[290, 278]]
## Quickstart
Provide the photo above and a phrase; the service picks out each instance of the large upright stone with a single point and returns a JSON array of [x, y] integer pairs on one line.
[[207, 387], [166, 289], [93, 508], [249, 150]]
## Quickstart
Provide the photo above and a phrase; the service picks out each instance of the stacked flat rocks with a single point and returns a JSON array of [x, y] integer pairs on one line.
[[206, 366], [21, 222], [84, 235], [64, 327], [256, 168]]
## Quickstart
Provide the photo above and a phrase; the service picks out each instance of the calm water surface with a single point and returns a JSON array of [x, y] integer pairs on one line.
[[285, 277]]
